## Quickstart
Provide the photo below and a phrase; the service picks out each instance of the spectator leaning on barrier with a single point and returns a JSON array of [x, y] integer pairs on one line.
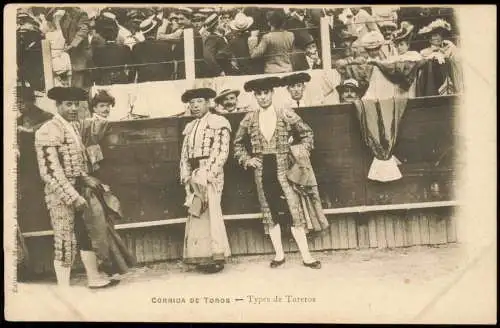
[[75, 28], [309, 58], [238, 44], [379, 87], [386, 22], [275, 47], [153, 57], [61, 62], [215, 49], [112, 60], [296, 24]]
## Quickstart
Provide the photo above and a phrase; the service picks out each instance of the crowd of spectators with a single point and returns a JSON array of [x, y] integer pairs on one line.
[[113, 45]]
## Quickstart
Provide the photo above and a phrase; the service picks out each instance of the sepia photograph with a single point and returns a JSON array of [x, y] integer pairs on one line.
[[250, 163]]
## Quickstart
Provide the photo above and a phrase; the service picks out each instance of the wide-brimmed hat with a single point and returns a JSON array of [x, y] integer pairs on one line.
[[351, 83], [206, 10], [266, 83], [346, 35], [211, 21], [372, 40], [148, 24], [438, 26], [403, 33], [241, 22], [205, 93], [387, 19], [188, 12], [295, 78], [225, 93], [67, 94]]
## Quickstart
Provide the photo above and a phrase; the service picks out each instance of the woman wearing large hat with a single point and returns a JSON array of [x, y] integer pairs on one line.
[[379, 87], [442, 75]]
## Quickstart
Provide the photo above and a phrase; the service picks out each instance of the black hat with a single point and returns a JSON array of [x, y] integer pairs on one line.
[[295, 78], [266, 83], [107, 28], [206, 93], [67, 94]]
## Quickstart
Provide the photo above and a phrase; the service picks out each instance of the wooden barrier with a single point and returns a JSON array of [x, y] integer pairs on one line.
[[142, 162], [385, 229]]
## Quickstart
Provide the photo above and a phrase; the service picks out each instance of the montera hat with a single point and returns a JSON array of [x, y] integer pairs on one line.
[[266, 83], [351, 83], [225, 93], [295, 78], [67, 94], [206, 93]]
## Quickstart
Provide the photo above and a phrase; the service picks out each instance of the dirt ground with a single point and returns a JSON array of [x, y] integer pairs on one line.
[[398, 285]]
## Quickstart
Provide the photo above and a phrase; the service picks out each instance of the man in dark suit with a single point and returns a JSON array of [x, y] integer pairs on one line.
[[309, 58], [215, 49], [154, 56], [118, 57], [297, 25]]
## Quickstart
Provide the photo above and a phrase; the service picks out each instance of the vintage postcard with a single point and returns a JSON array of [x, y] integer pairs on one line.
[[250, 163]]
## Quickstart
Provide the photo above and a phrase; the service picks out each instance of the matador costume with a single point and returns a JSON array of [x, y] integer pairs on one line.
[[205, 150]]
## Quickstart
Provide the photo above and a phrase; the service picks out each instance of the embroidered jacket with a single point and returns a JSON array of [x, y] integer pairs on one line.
[[288, 124], [60, 160], [207, 137]]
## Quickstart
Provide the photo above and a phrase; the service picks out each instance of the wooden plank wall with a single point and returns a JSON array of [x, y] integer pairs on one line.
[[381, 230]]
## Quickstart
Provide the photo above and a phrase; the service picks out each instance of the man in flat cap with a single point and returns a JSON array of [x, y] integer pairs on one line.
[[227, 101], [205, 150], [63, 169], [269, 130], [349, 91], [296, 86]]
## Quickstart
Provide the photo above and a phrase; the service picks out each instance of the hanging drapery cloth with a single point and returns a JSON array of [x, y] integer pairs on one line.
[[379, 120]]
